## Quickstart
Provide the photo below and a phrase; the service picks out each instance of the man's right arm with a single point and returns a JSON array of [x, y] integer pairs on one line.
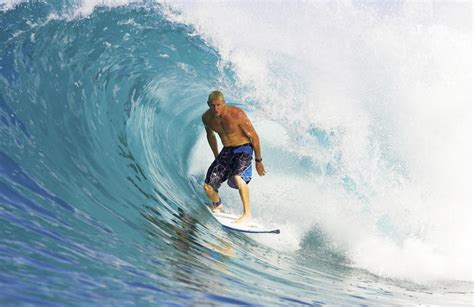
[[211, 139]]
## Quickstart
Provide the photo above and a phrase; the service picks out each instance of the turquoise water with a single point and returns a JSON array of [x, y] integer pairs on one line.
[[103, 157]]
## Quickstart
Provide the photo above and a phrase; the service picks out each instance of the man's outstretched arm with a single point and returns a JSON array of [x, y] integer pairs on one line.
[[249, 130], [211, 139]]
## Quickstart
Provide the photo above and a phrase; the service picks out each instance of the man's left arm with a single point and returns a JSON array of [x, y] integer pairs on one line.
[[249, 130]]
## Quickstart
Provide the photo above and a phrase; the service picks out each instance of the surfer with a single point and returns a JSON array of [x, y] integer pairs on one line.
[[234, 162]]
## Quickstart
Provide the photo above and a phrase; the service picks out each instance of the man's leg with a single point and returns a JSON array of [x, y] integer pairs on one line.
[[244, 195], [213, 196]]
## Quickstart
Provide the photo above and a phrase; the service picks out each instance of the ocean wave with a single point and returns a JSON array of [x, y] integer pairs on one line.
[[103, 153]]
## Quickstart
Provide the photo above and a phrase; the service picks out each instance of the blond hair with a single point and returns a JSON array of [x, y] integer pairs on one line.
[[215, 95]]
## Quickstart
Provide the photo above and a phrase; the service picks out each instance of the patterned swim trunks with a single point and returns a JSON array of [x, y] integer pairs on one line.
[[231, 161]]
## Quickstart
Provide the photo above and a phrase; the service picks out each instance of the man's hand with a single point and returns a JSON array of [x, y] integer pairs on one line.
[[260, 168]]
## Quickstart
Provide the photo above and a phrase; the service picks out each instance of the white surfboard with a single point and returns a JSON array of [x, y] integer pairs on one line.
[[227, 221]]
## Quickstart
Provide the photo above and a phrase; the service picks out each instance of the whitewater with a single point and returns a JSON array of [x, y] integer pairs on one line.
[[364, 112]]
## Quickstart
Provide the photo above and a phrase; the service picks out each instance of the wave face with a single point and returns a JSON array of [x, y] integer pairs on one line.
[[364, 113]]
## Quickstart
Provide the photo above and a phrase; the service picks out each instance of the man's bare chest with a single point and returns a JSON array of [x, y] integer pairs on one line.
[[224, 126]]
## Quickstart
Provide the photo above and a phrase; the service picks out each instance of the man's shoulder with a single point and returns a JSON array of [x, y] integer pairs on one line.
[[206, 115], [236, 111]]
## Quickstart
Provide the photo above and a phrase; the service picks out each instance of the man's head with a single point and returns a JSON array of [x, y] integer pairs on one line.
[[216, 103]]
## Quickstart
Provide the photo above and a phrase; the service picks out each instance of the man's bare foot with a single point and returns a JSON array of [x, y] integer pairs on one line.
[[217, 209], [244, 218]]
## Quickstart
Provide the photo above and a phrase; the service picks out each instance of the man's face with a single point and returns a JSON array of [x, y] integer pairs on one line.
[[216, 106]]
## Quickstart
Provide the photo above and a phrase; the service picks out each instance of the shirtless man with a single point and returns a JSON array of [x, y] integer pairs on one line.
[[234, 162]]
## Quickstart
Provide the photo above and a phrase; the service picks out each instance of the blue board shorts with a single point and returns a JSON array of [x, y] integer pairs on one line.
[[231, 161]]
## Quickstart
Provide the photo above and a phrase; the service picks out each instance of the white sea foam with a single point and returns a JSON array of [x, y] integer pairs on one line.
[[391, 87], [84, 8]]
